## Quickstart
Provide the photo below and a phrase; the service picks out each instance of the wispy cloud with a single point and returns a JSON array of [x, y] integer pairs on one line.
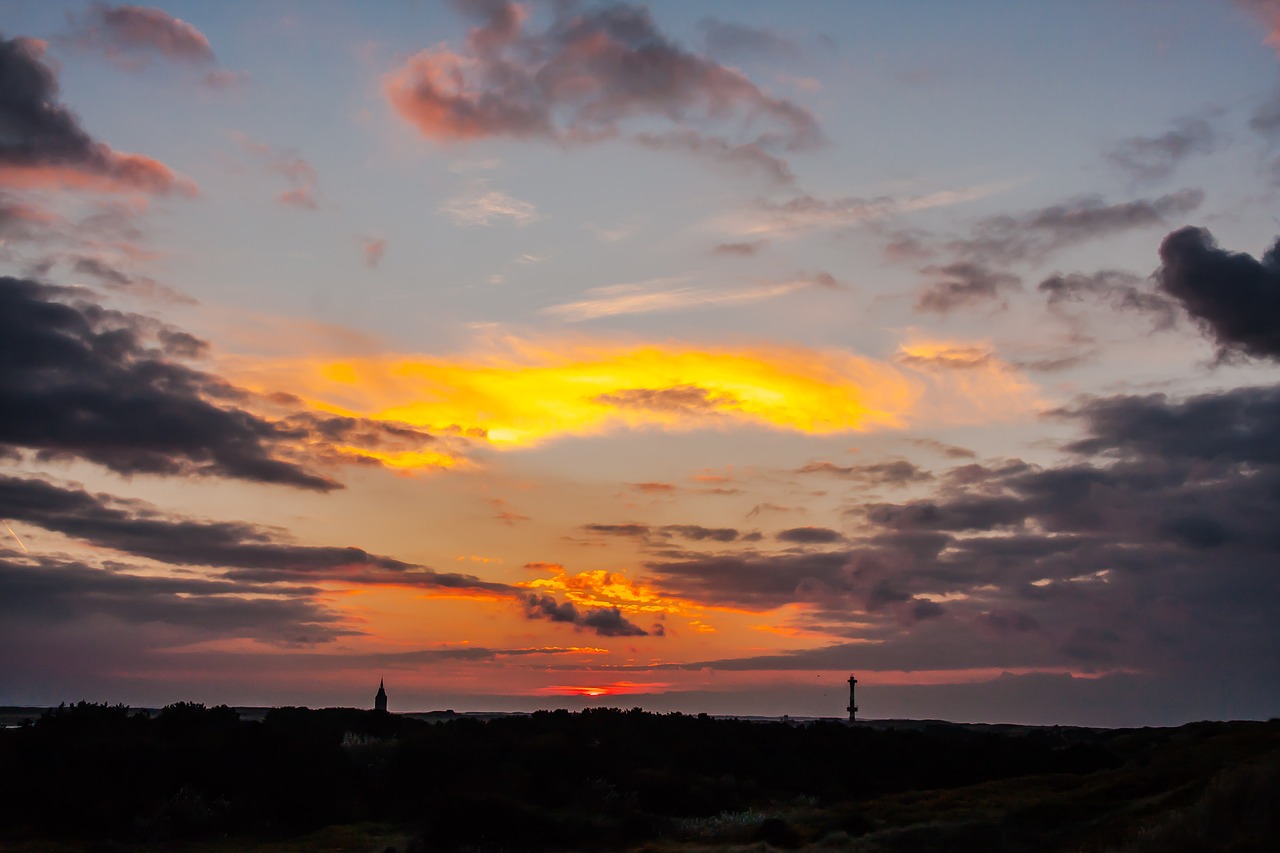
[[131, 37], [659, 295], [478, 204], [806, 213], [611, 233], [373, 248], [290, 165], [1148, 159]]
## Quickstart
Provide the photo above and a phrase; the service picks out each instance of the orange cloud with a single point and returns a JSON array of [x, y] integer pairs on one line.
[[970, 383], [602, 588]]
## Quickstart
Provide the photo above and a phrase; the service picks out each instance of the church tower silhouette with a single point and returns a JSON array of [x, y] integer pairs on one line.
[[380, 700]]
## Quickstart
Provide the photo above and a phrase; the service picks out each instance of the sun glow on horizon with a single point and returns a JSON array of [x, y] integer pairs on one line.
[[615, 688]]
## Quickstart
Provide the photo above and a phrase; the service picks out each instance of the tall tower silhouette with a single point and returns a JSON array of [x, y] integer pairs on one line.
[[380, 700], [853, 707]]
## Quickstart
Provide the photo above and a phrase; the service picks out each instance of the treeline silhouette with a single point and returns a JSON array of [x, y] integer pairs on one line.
[[601, 778]]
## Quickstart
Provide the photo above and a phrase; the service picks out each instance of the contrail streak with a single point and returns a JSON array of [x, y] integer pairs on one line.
[[15, 537]]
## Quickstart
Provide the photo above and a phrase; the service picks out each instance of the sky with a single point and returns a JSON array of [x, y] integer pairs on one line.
[[688, 356]]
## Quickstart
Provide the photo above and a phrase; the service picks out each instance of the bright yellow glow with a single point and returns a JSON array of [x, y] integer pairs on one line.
[[516, 393], [403, 459], [601, 588], [531, 393]]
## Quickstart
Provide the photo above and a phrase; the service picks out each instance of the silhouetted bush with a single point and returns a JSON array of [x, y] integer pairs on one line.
[[604, 779]]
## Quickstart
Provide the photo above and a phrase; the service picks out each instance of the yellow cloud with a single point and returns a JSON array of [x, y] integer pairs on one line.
[[523, 393], [529, 394]]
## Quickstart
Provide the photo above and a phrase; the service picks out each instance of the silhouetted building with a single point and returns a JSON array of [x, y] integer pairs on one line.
[[380, 700], [853, 707]]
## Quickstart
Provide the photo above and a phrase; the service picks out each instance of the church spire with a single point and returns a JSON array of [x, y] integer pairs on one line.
[[380, 700]]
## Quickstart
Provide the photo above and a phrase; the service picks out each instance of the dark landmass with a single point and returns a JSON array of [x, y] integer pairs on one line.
[[192, 778]]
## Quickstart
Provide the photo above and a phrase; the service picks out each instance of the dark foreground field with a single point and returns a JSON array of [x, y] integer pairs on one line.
[[202, 779]]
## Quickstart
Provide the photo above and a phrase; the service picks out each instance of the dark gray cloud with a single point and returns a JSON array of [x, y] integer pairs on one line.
[[1225, 429], [894, 472], [904, 653], [678, 398], [658, 535], [237, 550], [588, 74], [44, 141], [699, 533], [1113, 288], [1266, 118], [321, 435], [322, 659], [754, 581], [1234, 297], [727, 40], [809, 535], [143, 287], [48, 590], [740, 250], [605, 621], [924, 608], [1152, 547], [950, 451], [1149, 159], [1033, 235], [910, 245], [80, 380], [978, 512], [747, 158], [965, 284], [629, 529]]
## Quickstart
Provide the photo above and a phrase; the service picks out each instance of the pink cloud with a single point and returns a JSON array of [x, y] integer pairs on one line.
[[221, 78], [118, 173], [582, 78], [289, 164], [374, 248], [1268, 12], [130, 36]]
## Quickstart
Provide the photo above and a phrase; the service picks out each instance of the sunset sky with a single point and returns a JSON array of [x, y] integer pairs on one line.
[[689, 356]]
